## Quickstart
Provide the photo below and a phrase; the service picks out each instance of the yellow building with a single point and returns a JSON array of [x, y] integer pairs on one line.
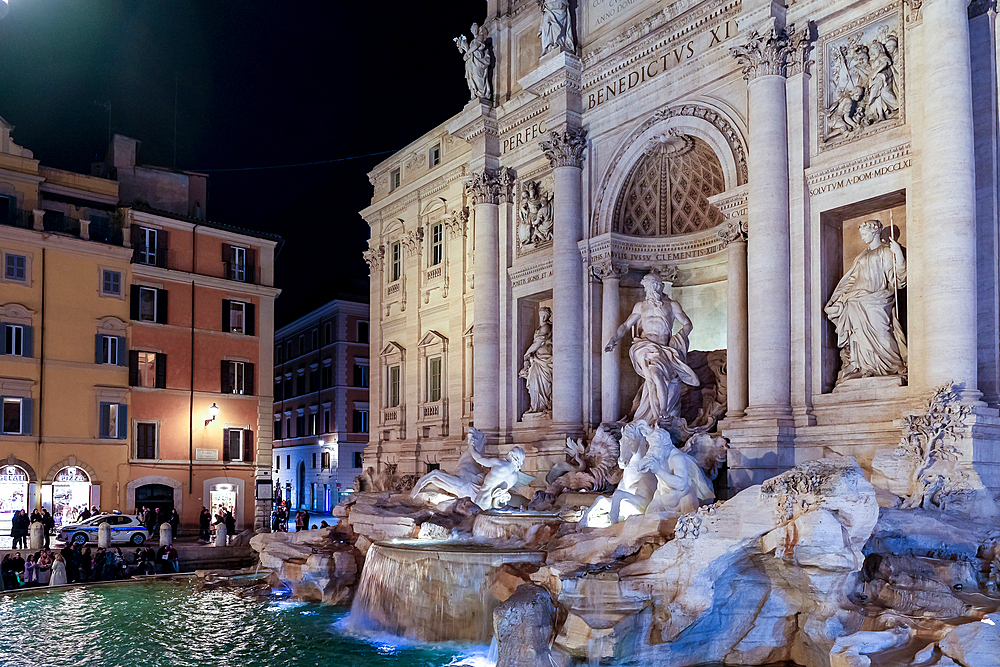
[[64, 313]]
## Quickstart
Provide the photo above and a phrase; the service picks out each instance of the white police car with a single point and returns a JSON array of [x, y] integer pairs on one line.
[[124, 528]]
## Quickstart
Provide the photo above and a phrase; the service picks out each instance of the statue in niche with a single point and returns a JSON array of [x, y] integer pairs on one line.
[[658, 354], [866, 83], [477, 62], [490, 490], [537, 369], [534, 224], [864, 310], [556, 30]]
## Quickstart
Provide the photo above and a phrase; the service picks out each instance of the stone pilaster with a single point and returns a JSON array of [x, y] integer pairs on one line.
[[610, 275], [564, 151], [735, 237]]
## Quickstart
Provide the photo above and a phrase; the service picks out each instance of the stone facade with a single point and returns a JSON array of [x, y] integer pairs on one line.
[[734, 148]]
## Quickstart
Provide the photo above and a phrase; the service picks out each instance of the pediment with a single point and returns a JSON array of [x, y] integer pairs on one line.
[[15, 313], [433, 338], [392, 347]]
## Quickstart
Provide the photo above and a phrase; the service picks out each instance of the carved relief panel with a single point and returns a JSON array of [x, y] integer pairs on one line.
[[861, 77], [533, 215]]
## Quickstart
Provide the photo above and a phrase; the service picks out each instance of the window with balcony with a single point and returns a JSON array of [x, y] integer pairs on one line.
[[437, 244], [392, 398], [433, 379], [396, 261]]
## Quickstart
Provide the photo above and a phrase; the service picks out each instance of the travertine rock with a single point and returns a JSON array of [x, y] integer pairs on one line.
[[318, 565], [523, 626], [974, 644]]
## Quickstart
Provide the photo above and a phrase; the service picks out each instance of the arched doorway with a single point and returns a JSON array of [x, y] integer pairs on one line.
[[155, 495], [300, 482], [13, 492], [70, 494]]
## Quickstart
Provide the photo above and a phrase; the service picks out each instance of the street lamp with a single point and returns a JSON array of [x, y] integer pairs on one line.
[[214, 412]]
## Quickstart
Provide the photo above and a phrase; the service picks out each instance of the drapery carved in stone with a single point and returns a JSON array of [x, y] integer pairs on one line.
[[534, 217], [565, 149], [666, 192], [765, 51]]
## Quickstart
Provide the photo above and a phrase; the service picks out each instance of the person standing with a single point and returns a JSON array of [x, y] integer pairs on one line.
[[149, 521], [230, 525], [58, 571], [204, 524], [43, 568], [175, 523], [49, 523], [30, 575]]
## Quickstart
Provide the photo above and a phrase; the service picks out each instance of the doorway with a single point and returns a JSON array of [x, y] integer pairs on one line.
[[160, 496]]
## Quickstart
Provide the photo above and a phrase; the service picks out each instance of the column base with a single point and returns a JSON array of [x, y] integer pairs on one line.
[[760, 448]]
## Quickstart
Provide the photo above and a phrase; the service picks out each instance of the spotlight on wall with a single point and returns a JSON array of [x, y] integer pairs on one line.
[[213, 412]]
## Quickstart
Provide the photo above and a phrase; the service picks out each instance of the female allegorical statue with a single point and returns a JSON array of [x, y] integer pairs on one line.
[[537, 369], [863, 308]]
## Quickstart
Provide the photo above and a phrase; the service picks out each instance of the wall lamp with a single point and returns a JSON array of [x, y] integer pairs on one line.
[[214, 412]]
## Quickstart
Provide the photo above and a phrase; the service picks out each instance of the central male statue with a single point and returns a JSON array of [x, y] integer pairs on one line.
[[658, 354]]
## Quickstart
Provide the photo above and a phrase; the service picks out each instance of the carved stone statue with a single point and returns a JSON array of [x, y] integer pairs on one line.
[[658, 354], [556, 30], [534, 224], [863, 308], [537, 369], [636, 488], [681, 485], [477, 62], [487, 491]]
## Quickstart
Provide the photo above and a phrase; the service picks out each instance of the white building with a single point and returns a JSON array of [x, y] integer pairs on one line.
[[673, 127], [320, 404]]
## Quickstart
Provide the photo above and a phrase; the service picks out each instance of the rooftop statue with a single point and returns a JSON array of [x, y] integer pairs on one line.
[[490, 490], [864, 310], [556, 30], [477, 62], [658, 354]]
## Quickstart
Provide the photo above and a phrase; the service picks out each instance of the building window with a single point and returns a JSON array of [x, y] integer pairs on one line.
[[300, 383], [360, 375], [328, 333], [233, 443], [288, 462], [396, 268], [434, 159], [113, 420], [148, 244], [17, 340], [145, 440], [287, 392], [437, 244], [313, 379], [395, 178], [326, 420], [111, 282], [277, 434], [393, 388], [363, 332], [314, 460], [277, 390], [149, 304], [434, 379], [288, 427], [313, 420], [300, 426], [108, 351], [147, 369], [288, 350], [237, 317], [16, 415], [237, 377], [360, 421], [326, 376], [15, 267], [357, 460], [325, 460], [302, 343], [277, 353], [315, 339], [238, 267]]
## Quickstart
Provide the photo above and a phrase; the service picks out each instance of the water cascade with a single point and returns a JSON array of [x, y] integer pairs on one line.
[[432, 591]]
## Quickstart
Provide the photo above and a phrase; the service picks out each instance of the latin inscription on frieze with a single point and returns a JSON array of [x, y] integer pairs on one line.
[[668, 57]]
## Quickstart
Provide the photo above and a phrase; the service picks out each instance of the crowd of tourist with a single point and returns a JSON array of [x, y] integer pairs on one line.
[[76, 563], [20, 527], [152, 517]]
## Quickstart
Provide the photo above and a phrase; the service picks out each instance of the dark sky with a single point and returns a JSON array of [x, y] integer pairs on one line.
[[258, 84]]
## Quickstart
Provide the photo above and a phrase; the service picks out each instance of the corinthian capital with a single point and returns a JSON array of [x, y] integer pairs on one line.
[[605, 269], [484, 187], [765, 51], [565, 149], [734, 230], [374, 258], [506, 178]]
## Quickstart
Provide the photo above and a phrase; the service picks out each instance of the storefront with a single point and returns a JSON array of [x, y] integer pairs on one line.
[[13, 492], [71, 494]]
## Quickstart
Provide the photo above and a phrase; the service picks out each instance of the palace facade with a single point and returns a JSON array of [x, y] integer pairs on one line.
[[733, 148]]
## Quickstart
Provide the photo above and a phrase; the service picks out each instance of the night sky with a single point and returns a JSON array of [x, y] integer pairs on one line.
[[258, 84]]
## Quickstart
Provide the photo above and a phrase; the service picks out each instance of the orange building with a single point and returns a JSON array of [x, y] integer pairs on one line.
[[201, 307]]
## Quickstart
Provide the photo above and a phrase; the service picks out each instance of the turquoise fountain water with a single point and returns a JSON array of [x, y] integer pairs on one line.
[[161, 624]]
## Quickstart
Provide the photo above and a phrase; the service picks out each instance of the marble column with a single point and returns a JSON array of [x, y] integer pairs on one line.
[[947, 224], [485, 190], [735, 236], [564, 151], [768, 265], [610, 275]]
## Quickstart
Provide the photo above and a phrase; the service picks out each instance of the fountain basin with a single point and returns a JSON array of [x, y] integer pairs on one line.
[[432, 591]]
